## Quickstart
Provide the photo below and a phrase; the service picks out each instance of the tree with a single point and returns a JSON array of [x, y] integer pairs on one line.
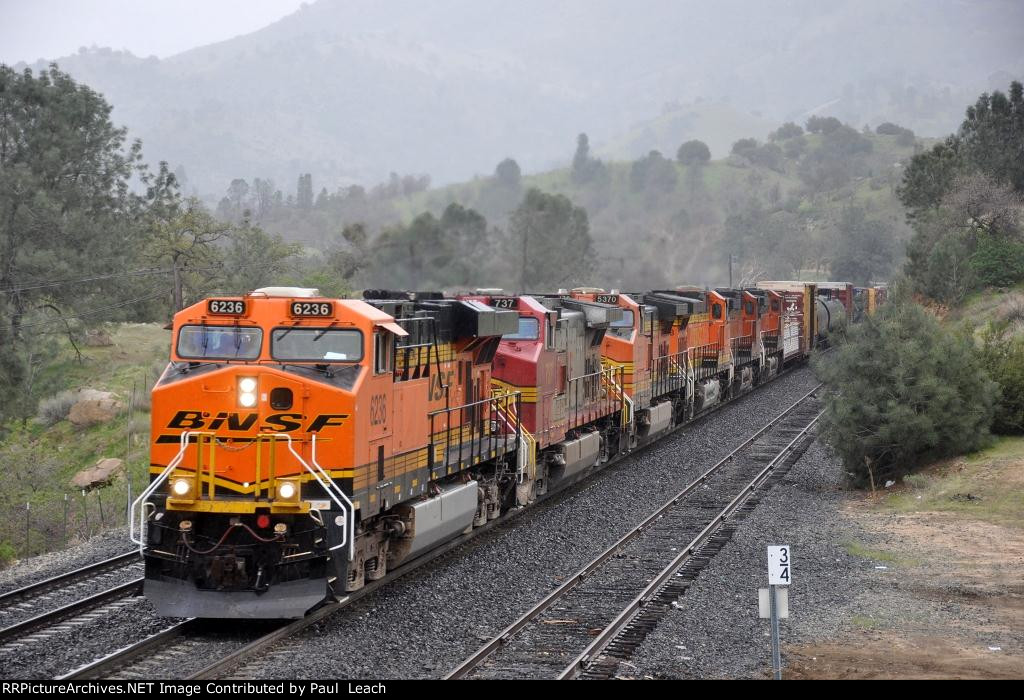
[[929, 176], [786, 131], [69, 218], [187, 243], [238, 190], [653, 173], [693, 153], [304, 193], [254, 258], [584, 168], [903, 392], [990, 141], [464, 238], [972, 238], [1002, 355], [549, 238], [992, 136], [822, 125], [865, 248], [508, 174]]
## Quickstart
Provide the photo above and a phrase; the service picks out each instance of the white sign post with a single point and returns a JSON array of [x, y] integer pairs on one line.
[[780, 573]]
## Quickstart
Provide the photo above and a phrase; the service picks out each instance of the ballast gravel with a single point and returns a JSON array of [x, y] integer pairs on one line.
[[714, 630]]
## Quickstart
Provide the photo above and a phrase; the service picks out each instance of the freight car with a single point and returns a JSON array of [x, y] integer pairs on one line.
[[303, 446]]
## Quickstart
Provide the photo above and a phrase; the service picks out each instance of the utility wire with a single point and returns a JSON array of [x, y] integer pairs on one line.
[[79, 280], [94, 312]]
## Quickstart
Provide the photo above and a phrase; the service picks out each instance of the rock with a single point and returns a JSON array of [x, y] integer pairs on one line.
[[94, 407], [97, 338], [97, 475]]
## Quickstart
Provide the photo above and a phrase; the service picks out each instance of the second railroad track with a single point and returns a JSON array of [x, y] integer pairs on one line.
[[598, 616]]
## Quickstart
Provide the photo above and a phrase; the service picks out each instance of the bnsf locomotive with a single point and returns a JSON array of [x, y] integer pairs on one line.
[[303, 446]]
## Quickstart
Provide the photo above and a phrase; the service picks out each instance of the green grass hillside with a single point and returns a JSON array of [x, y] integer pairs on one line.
[[41, 455]]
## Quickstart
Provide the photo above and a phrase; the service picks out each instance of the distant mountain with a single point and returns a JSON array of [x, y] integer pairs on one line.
[[353, 89]]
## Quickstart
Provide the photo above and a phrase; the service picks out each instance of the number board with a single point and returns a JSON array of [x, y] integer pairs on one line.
[[226, 307], [504, 302], [606, 298], [316, 309], [780, 572]]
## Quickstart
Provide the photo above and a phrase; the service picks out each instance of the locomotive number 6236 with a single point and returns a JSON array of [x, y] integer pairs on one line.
[[318, 309]]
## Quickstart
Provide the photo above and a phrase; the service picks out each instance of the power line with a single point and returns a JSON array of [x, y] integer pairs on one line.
[[58, 283], [94, 312]]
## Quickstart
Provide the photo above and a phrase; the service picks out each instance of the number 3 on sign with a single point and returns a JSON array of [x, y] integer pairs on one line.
[[779, 566]]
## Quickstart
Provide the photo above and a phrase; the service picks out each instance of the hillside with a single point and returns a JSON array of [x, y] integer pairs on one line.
[[779, 221], [350, 90], [41, 457]]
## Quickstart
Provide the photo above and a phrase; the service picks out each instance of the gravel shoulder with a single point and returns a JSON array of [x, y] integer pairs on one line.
[[880, 590], [95, 549]]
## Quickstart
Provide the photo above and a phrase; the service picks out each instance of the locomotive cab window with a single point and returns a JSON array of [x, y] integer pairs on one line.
[[623, 328], [529, 329], [381, 353], [219, 342], [316, 344], [716, 311]]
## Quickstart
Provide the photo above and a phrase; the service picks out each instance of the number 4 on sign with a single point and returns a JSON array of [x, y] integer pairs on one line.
[[780, 571]]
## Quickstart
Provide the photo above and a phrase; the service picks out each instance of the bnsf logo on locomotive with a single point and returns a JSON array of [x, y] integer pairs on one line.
[[243, 422]]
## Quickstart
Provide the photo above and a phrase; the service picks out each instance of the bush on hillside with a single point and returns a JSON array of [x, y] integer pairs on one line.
[[903, 392], [1002, 355], [56, 408]]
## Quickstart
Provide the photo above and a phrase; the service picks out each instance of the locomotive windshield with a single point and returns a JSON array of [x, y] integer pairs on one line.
[[529, 329], [623, 328], [316, 344], [219, 342]]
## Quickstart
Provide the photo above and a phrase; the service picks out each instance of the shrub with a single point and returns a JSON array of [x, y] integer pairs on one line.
[[56, 408], [998, 262], [903, 392], [1003, 359]]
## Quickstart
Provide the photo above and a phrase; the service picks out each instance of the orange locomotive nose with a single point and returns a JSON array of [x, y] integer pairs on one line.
[[252, 445]]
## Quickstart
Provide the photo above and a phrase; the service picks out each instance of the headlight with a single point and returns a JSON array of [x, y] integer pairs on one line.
[[287, 490], [247, 392], [181, 487]]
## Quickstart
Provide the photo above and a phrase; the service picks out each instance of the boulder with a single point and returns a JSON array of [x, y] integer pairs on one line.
[[94, 407], [97, 338], [99, 474]]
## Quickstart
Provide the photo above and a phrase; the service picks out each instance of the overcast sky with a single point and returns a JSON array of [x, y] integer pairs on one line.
[[33, 29]]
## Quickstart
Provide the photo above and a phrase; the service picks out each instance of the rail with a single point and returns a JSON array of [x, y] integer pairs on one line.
[[503, 637]]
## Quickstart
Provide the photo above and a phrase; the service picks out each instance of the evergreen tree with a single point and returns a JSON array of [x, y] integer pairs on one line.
[[903, 391], [304, 193]]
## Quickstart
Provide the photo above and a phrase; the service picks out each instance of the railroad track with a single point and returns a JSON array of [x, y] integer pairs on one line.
[[161, 654], [65, 592], [30, 596], [601, 614]]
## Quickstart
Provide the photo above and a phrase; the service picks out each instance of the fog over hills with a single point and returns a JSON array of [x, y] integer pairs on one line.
[[350, 90]]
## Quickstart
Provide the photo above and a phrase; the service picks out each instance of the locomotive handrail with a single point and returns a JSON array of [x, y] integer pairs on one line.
[[327, 483], [139, 503], [321, 477]]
